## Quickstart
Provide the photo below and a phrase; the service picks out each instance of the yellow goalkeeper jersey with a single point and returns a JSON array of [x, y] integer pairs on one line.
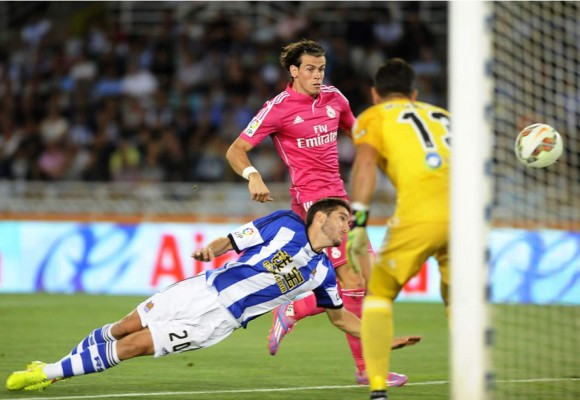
[[413, 141]]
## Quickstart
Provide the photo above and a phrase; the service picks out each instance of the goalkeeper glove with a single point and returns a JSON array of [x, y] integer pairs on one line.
[[357, 242]]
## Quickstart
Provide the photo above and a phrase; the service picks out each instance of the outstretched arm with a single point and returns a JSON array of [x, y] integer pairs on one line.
[[350, 323], [344, 320], [404, 341], [215, 248], [237, 156]]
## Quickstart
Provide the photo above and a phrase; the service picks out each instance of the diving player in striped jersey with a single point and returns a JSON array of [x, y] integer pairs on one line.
[[281, 258]]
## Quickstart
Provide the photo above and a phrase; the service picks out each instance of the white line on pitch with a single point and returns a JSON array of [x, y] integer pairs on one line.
[[292, 389]]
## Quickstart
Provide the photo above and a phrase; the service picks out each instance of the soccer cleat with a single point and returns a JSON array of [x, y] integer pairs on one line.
[[42, 385], [282, 324], [20, 380], [393, 380]]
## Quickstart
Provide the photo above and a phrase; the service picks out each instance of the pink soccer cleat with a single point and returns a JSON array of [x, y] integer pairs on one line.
[[393, 380], [282, 324]]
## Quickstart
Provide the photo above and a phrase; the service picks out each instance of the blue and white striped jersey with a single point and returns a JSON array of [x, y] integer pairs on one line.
[[276, 265]]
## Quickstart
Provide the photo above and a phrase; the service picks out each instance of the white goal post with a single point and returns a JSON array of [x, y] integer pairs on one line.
[[470, 96]]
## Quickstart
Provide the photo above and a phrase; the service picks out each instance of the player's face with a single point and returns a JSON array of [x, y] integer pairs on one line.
[[336, 225], [309, 76]]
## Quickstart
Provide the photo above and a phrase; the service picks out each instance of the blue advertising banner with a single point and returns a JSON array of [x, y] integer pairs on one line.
[[539, 267]]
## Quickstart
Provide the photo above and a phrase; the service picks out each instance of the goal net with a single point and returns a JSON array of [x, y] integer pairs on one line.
[[518, 321], [535, 237]]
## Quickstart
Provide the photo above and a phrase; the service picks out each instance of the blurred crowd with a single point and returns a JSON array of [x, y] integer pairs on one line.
[[103, 103]]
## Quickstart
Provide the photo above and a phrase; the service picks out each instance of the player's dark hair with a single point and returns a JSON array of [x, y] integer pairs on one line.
[[326, 205], [292, 53], [396, 76]]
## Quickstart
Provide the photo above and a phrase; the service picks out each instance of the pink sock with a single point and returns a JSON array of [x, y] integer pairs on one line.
[[306, 307], [353, 302]]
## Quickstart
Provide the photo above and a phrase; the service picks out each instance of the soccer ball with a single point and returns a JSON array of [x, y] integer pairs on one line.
[[538, 146]]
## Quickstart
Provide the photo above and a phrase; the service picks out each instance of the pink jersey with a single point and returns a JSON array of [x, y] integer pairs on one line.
[[305, 131]]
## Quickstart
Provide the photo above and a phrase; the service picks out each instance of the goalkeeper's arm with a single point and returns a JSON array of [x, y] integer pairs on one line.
[[363, 181], [364, 174]]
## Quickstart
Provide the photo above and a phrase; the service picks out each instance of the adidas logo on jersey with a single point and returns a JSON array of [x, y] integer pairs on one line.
[[298, 120]]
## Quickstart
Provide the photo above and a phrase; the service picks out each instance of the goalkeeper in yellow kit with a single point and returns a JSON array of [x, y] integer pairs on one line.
[[410, 142]]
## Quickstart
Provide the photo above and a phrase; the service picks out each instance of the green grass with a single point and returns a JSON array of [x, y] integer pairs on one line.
[[45, 327], [540, 343], [532, 342]]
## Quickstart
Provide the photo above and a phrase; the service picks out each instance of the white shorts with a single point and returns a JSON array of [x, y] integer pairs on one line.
[[186, 316]]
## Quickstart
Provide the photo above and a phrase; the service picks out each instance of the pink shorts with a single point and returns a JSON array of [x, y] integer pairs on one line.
[[336, 254]]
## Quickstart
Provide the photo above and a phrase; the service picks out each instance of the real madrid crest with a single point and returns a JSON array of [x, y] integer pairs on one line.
[[330, 112]]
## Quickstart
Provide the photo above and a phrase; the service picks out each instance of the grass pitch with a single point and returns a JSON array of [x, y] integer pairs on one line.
[[314, 361]]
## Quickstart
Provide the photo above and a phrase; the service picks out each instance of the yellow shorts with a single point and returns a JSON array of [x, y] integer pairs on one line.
[[405, 248]]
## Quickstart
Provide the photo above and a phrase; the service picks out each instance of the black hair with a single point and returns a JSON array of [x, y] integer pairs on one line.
[[396, 76], [326, 205]]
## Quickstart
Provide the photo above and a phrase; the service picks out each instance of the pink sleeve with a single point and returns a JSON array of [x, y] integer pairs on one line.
[[264, 123], [347, 118]]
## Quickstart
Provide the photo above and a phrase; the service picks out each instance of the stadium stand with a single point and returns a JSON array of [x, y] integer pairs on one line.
[[108, 97]]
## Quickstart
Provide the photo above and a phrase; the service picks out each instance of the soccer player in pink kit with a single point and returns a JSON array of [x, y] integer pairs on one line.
[[303, 122]]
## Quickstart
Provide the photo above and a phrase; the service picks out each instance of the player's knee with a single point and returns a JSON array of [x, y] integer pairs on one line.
[[129, 324], [130, 350], [387, 295], [384, 286], [350, 279], [134, 346], [119, 330]]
